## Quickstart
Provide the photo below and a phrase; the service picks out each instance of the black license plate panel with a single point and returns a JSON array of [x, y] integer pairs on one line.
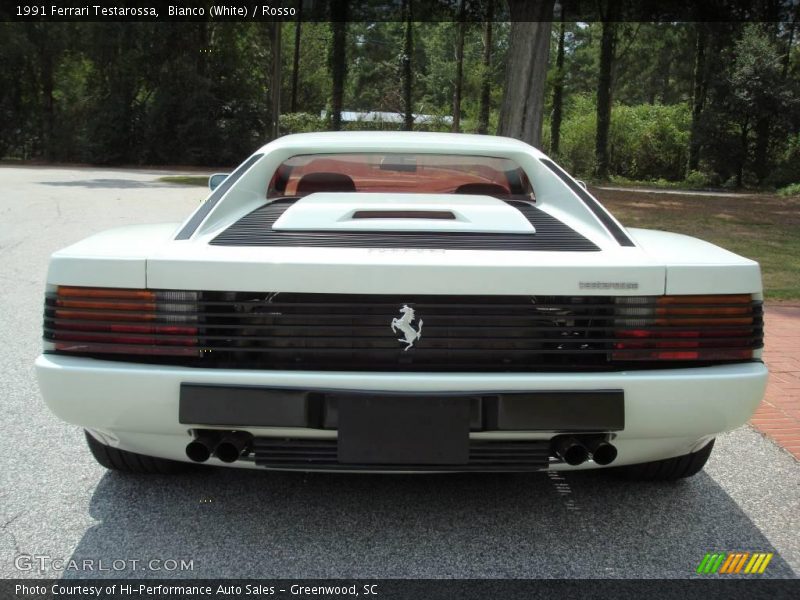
[[403, 430]]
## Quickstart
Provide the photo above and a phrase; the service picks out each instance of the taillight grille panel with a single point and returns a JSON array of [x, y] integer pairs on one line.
[[122, 321], [691, 327], [259, 330]]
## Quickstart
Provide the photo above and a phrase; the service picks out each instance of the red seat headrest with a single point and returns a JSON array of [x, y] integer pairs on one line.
[[325, 182]]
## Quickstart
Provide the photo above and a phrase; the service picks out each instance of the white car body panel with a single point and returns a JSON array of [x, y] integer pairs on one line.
[[137, 404], [114, 258], [146, 256], [387, 271], [696, 266]]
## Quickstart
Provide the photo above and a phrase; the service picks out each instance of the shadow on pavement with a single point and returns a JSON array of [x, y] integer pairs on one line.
[[260, 524], [111, 183]]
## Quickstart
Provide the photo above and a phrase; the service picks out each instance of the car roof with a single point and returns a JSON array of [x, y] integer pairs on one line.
[[400, 141]]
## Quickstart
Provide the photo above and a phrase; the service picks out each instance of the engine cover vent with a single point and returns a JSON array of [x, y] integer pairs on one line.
[[256, 229]]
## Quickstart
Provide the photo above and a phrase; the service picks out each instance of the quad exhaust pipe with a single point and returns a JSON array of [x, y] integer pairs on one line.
[[575, 451], [232, 445], [602, 452], [200, 449], [227, 446], [570, 450]]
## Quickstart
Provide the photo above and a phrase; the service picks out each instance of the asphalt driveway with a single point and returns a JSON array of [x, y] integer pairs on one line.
[[56, 502]]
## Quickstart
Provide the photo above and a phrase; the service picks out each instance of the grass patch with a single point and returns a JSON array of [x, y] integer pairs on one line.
[[661, 184], [200, 180], [695, 182], [765, 228]]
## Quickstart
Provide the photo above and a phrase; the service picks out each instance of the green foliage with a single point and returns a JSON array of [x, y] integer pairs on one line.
[[648, 141], [17, 125], [134, 93], [787, 161], [577, 136], [223, 116], [198, 93], [654, 63], [752, 104], [314, 85], [790, 190], [301, 123], [757, 83], [697, 179]]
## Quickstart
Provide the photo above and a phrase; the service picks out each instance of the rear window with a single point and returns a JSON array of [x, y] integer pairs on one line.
[[405, 173]]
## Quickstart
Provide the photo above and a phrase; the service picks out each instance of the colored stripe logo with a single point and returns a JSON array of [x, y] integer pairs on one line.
[[734, 562]]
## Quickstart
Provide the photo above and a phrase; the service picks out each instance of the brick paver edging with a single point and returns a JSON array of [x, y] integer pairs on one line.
[[778, 416]]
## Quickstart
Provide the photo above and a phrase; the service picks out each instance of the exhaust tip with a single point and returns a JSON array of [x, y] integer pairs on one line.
[[198, 451], [227, 452], [604, 453], [576, 455], [570, 450], [232, 446]]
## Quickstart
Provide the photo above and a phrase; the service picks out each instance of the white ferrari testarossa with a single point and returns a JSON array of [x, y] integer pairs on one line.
[[401, 302]]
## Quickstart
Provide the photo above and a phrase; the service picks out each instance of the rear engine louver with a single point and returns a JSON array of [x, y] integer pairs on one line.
[[255, 229]]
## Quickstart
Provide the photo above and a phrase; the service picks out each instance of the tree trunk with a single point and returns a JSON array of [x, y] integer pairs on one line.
[[275, 79], [202, 42], [763, 127], [698, 97], [296, 58], [338, 65], [526, 70], [486, 82], [47, 93], [408, 50], [39, 37], [789, 43], [558, 92], [742, 152], [604, 84], [665, 66], [462, 26], [761, 150]]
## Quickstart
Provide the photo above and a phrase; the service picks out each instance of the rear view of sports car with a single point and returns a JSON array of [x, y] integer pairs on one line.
[[401, 302]]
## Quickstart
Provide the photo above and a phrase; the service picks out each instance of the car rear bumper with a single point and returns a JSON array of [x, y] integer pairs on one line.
[[667, 413]]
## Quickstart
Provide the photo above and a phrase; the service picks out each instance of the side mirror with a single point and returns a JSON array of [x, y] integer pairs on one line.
[[580, 183], [216, 179]]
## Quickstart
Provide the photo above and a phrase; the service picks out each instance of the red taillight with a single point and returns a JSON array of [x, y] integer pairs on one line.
[[122, 321], [694, 327]]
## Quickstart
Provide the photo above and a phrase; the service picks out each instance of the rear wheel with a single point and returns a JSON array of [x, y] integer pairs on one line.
[[130, 462], [668, 469]]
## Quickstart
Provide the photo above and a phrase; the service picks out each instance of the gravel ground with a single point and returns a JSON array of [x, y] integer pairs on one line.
[[55, 501]]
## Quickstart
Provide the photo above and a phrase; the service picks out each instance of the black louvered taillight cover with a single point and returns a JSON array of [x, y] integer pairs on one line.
[[352, 332]]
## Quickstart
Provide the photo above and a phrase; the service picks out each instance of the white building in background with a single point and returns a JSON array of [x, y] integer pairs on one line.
[[376, 116]]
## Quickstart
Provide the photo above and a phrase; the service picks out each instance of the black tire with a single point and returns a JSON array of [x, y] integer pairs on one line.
[[668, 469], [130, 462]]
